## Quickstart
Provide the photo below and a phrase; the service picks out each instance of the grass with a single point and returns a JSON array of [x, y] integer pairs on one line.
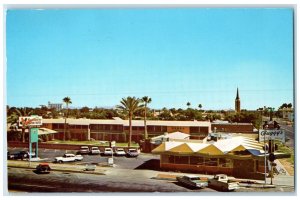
[[95, 143], [284, 149]]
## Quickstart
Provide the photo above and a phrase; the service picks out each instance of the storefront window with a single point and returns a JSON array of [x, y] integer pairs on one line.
[[181, 159], [196, 160], [211, 161], [224, 162]]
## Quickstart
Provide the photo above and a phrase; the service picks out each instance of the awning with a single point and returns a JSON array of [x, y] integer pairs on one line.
[[46, 131]]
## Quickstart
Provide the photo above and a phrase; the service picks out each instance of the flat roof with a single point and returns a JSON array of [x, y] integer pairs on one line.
[[126, 122]]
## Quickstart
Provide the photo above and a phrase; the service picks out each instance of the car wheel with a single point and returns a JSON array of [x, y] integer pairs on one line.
[[60, 161]]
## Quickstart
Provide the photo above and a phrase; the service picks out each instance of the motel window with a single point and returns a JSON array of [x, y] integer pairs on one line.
[[164, 129], [126, 128], [211, 161], [181, 159], [94, 127], [224, 162], [55, 126], [196, 160], [204, 130], [195, 129]]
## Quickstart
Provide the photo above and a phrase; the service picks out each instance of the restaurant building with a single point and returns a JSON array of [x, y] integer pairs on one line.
[[118, 129], [238, 156]]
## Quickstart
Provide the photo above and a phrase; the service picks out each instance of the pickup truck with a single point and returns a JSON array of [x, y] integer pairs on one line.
[[221, 181], [68, 157], [192, 181]]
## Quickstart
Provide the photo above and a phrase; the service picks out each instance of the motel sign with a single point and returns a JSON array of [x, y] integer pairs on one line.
[[30, 121], [271, 135]]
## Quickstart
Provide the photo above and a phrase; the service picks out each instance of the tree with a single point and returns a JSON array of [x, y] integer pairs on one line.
[[188, 104], [129, 106], [67, 101], [200, 106], [146, 100], [22, 112]]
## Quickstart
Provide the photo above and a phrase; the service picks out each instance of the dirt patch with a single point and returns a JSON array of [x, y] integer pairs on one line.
[[288, 166]]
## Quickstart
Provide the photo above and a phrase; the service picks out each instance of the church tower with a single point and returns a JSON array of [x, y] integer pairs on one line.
[[237, 102]]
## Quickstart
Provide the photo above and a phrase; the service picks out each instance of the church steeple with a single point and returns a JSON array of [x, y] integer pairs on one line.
[[237, 94], [237, 102]]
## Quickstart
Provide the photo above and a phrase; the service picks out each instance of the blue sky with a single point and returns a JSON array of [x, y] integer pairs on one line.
[[199, 55]]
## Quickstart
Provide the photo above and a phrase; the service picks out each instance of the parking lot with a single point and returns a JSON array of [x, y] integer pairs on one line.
[[143, 161]]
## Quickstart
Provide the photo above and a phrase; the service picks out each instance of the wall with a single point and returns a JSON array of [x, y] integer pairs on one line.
[[233, 128]]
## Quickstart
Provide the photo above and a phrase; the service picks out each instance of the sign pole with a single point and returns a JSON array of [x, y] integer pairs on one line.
[[265, 159]]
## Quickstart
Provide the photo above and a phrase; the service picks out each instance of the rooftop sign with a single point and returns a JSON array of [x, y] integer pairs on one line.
[[30, 121], [271, 135]]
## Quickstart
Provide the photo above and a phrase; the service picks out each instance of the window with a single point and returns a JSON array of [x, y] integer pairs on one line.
[[211, 161], [181, 159], [195, 129], [224, 162], [196, 160]]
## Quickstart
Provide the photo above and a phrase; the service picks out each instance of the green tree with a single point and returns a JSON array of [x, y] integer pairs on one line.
[[188, 104], [14, 118], [146, 100], [67, 101], [200, 106], [129, 106]]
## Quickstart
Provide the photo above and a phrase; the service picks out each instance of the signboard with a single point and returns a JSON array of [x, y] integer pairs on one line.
[[34, 135], [30, 121], [271, 135]]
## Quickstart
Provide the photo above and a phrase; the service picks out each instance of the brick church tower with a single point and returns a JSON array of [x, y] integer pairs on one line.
[[237, 102]]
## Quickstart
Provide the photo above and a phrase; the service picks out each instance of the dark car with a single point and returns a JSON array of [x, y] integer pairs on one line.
[[43, 168], [25, 155], [10, 156]]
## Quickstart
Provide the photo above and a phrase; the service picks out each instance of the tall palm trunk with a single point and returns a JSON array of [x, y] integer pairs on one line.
[[130, 130], [65, 128], [145, 124]]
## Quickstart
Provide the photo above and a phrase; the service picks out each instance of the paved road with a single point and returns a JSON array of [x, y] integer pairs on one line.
[[289, 131], [26, 180]]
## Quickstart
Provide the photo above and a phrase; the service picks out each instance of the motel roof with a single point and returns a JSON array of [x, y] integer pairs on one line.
[[126, 122]]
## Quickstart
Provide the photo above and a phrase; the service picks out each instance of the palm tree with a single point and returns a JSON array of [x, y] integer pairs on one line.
[[22, 112], [200, 106], [129, 106], [146, 100], [67, 101], [188, 104]]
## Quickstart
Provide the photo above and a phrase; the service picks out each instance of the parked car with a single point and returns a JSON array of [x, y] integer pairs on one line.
[[95, 150], [43, 168], [20, 155], [10, 156], [68, 157], [108, 152], [192, 181], [120, 152], [84, 150], [221, 182], [132, 153]]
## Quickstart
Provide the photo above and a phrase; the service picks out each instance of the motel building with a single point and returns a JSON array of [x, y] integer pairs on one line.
[[118, 129], [237, 156]]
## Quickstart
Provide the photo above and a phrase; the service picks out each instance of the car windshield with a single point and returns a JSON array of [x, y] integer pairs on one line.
[[195, 178], [120, 150], [132, 150]]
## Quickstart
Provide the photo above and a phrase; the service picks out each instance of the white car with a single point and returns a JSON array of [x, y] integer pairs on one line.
[[84, 150], [108, 152], [68, 157], [95, 150], [120, 152]]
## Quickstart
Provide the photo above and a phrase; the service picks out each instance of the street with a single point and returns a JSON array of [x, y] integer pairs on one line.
[[129, 175]]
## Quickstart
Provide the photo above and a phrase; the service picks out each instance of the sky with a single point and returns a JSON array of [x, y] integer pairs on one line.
[[173, 55]]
